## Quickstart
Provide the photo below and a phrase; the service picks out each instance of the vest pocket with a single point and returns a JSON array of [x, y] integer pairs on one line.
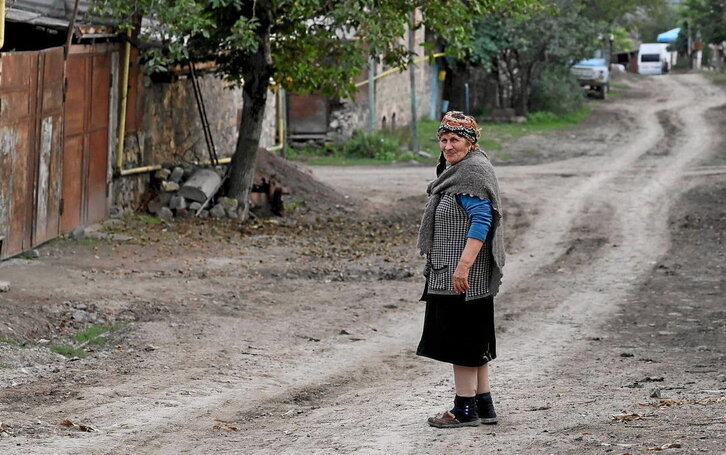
[[440, 279]]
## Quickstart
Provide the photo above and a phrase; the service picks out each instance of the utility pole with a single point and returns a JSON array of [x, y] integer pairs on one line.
[[371, 94], [690, 45], [412, 79], [611, 39]]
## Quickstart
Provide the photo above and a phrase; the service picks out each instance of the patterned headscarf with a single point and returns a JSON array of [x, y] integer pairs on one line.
[[458, 123]]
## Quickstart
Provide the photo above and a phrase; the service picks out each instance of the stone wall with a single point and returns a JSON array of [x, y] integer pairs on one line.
[[393, 99], [171, 130]]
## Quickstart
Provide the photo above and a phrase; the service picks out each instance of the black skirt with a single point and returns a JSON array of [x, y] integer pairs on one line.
[[457, 331]]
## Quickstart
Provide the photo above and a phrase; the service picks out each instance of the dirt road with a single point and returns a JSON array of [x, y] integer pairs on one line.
[[299, 335]]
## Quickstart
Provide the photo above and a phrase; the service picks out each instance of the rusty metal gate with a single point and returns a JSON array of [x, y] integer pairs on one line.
[[31, 117], [85, 160], [307, 116]]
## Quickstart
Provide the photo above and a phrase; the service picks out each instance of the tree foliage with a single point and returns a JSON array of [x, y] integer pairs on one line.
[[615, 12], [517, 48], [303, 44], [313, 44], [708, 17], [652, 19]]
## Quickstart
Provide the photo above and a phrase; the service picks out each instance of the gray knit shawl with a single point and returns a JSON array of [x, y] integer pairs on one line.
[[473, 175]]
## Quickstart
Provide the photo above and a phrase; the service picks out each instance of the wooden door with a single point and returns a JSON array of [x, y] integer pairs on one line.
[[85, 163], [31, 100]]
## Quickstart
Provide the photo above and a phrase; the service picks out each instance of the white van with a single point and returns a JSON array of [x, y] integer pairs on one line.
[[653, 58]]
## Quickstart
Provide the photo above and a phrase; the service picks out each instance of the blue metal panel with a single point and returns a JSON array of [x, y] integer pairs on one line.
[[669, 36]]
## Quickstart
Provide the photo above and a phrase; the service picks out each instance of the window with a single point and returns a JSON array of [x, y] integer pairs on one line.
[[650, 58]]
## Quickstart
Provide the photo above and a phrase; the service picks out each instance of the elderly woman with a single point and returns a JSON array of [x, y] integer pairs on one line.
[[461, 236]]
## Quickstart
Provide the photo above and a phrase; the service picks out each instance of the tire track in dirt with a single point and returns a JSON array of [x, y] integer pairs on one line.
[[401, 426], [589, 296], [557, 327], [586, 298]]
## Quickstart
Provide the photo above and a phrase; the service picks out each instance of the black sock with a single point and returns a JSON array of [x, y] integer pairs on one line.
[[464, 405], [484, 396]]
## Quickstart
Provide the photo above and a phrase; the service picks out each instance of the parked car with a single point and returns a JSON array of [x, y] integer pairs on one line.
[[653, 58], [594, 75]]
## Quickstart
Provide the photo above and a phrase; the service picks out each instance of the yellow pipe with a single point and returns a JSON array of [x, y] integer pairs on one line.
[[121, 133], [156, 167], [274, 148], [398, 68], [280, 118], [2, 23], [139, 170]]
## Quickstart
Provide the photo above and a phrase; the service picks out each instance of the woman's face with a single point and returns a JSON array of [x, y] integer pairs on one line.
[[454, 147]]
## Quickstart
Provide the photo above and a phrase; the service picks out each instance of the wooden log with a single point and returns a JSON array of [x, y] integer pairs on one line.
[[201, 185]]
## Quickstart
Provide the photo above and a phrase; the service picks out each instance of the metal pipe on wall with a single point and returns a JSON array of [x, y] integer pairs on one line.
[[2, 23], [433, 115], [281, 114], [412, 81], [371, 94], [121, 133], [398, 68], [281, 129], [466, 99]]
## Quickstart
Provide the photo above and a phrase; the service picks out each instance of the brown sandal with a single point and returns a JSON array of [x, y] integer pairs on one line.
[[448, 420]]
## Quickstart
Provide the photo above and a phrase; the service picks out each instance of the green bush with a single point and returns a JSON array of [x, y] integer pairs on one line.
[[92, 334], [543, 117], [556, 91], [371, 145]]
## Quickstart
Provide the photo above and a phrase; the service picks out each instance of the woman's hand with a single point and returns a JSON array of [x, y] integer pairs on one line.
[[461, 278]]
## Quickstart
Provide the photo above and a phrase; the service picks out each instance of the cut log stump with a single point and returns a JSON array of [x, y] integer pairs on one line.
[[201, 185]]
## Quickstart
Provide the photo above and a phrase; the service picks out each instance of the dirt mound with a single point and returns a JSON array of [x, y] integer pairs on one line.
[[298, 184]]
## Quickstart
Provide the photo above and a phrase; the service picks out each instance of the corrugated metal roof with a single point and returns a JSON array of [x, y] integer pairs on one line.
[[29, 17], [52, 13]]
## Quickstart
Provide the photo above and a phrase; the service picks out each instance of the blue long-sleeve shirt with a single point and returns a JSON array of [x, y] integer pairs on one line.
[[480, 212]]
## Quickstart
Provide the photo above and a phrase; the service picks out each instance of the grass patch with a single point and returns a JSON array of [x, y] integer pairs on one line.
[[490, 144], [149, 219], [5, 365], [620, 85], [502, 133], [8, 341], [362, 148], [428, 140], [294, 205], [503, 156], [338, 160], [68, 351], [392, 146], [92, 334], [716, 77]]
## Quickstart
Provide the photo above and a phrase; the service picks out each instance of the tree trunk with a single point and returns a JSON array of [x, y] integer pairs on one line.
[[254, 95]]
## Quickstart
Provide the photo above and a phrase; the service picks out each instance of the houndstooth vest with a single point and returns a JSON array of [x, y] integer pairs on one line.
[[451, 225]]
